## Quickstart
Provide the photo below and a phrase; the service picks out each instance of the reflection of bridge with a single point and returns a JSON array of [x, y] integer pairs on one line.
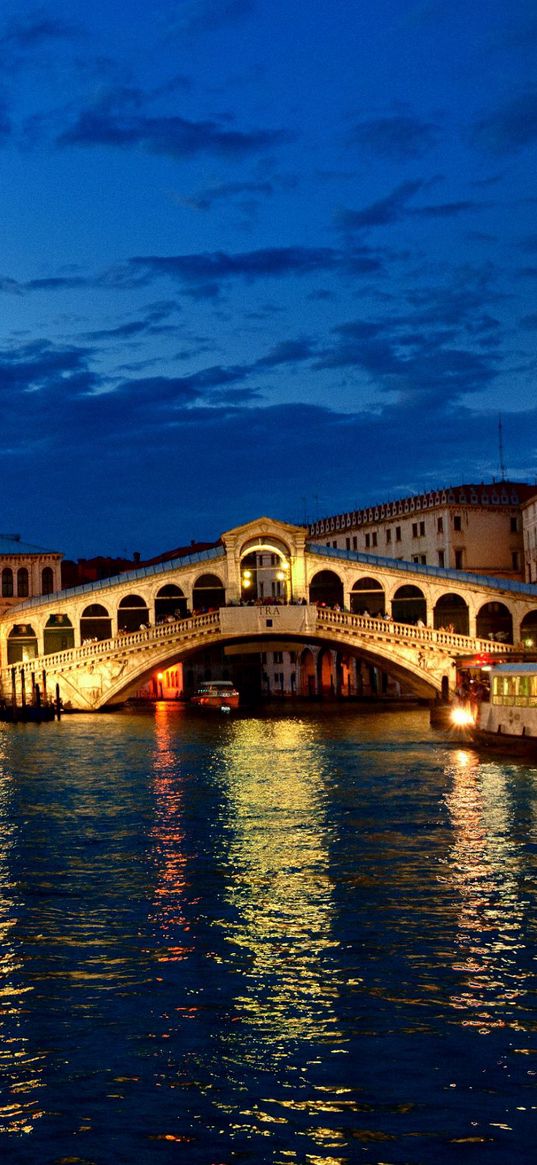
[[93, 640]]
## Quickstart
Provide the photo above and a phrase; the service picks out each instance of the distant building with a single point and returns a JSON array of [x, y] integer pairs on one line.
[[26, 571], [529, 527], [475, 528]]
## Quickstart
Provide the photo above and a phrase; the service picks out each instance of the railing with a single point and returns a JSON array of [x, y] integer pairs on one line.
[[388, 629], [119, 643]]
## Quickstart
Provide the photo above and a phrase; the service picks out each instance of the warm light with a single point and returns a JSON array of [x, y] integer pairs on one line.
[[246, 582], [160, 675], [280, 575], [528, 643], [246, 574], [461, 717]]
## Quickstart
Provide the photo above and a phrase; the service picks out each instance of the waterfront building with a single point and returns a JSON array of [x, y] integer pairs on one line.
[[529, 529], [473, 528], [26, 571]]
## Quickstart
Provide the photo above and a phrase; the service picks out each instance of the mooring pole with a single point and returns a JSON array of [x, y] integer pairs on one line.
[[14, 692], [58, 702]]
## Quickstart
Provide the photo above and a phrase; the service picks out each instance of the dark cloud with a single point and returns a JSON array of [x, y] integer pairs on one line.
[[509, 128], [41, 366], [208, 270], [397, 137], [286, 352], [395, 207], [205, 199], [34, 29], [175, 136]]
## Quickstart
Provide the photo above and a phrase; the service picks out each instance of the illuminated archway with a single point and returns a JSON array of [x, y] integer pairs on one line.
[[409, 605], [326, 589], [528, 629], [170, 603], [451, 611], [494, 621], [95, 623], [367, 595], [21, 643], [59, 634], [209, 593], [132, 613]]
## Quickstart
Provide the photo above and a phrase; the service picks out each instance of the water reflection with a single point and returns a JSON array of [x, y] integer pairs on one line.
[[168, 839], [485, 870], [280, 887], [20, 1068]]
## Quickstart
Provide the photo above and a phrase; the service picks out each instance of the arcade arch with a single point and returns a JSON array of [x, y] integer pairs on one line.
[[494, 621], [21, 643], [367, 596], [326, 589], [95, 623], [451, 611], [170, 602], [132, 613], [58, 635], [528, 628], [208, 593], [409, 605]]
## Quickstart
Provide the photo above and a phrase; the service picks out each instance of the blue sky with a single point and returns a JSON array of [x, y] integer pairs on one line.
[[261, 257]]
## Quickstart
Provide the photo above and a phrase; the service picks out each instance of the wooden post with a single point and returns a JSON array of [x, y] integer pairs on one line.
[[58, 702], [33, 687], [23, 688], [14, 692], [44, 686]]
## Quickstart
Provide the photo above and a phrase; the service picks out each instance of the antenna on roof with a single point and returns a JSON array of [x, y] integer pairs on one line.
[[500, 447]]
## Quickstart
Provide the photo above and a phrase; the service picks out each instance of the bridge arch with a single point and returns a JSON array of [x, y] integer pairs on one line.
[[132, 613], [326, 588], [21, 643], [528, 628], [409, 604], [170, 602], [451, 611], [58, 634], [95, 623], [494, 621], [208, 593], [367, 595]]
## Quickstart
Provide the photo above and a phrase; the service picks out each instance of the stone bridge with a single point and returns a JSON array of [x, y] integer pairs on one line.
[[102, 641]]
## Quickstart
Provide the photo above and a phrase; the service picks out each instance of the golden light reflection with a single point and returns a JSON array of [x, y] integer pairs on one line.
[[168, 840], [483, 868], [20, 1067], [281, 889]]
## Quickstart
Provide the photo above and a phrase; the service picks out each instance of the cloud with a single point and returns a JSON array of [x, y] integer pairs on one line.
[[43, 367], [510, 128], [394, 207], [397, 137], [117, 121], [205, 199], [35, 29]]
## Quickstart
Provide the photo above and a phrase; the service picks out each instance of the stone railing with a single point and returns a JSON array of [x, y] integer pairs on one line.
[[387, 629]]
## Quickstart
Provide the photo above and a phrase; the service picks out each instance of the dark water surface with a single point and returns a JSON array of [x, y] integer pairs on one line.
[[298, 939]]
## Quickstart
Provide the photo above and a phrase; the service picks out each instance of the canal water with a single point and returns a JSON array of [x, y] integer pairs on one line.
[[298, 938]]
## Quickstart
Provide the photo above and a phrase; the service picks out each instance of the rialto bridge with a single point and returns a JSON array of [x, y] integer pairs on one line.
[[262, 584]]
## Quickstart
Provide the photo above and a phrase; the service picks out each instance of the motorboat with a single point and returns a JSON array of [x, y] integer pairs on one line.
[[507, 720], [220, 694]]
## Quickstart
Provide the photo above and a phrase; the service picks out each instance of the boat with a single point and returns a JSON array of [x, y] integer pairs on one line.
[[220, 694], [506, 719]]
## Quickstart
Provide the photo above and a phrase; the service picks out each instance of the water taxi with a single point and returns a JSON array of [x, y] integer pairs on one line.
[[507, 720], [216, 694]]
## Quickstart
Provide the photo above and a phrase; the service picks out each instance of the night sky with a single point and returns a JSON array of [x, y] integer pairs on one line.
[[261, 257]]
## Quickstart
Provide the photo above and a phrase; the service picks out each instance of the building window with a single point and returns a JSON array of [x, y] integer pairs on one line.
[[22, 583], [367, 541], [292, 657], [422, 529], [388, 535], [515, 559], [397, 533], [334, 544], [440, 525], [7, 582], [277, 657], [348, 543], [441, 558], [421, 558], [457, 522], [374, 538], [355, 542], [47, 581], [414, 529], [514, 525], [459, 559]]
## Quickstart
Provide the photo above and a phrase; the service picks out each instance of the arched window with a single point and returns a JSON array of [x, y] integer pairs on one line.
[[451, 611], [47, 581], [170, 603], [95, 623], [208, 593], [326, 588], [409, 605], [132, 613], [21, 643], [22, 582], [367, 595], [494, 621], [7, 582], [59, 634]]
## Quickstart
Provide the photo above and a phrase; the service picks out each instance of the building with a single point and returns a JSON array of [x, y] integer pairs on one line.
[[529, 529], [26, 571], [475, 528]]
